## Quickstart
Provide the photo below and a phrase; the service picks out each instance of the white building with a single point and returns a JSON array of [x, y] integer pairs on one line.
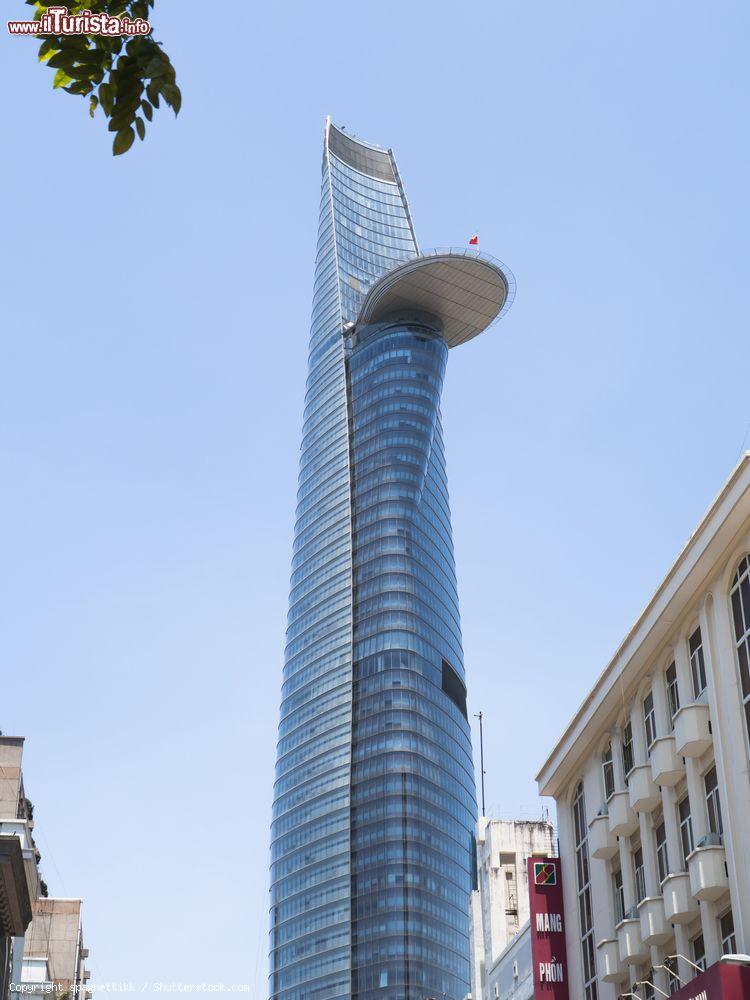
[[19, 875], [510, 976], [651, 778], [54, 953], [501, 966], [41, 943]]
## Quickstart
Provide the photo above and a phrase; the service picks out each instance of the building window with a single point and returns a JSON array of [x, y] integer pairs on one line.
[[619, 893], [662, 858], [741, 615], [628, 763], [686, 828], [673, 693], [670, 964], [640, 875], [608, 770], [728, 940], [584, 895], [713, 804], [649, 720], [648, 986], [697, 664], [699, 952]]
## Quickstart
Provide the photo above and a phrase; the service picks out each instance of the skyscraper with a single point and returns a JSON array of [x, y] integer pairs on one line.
[[374, 808]]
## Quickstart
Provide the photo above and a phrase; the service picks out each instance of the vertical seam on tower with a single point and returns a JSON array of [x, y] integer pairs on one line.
[[350, 448], [350, 456], [333, 224], [404, 199]]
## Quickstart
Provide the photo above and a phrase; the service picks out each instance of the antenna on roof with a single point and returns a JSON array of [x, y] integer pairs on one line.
[[480, 716]]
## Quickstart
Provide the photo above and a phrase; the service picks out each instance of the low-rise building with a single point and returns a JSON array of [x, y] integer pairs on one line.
[[510, 976], [652, 784], [19, 875], [501, 964], [41, 942], [54, 953]]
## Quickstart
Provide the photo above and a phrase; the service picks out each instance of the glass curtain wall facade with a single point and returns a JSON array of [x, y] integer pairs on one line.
[[374, 807]]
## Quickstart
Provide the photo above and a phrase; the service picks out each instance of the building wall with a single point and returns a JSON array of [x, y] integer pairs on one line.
[[511, 976], [54, 944], [11, 751], [16, 821], [412, 789], [500, 905], [690, 620]]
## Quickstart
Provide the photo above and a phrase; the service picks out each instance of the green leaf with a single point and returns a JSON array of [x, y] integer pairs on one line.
[[156, 67], [123, 141], [130, 91], [172, 96], [62, 60], [82, 87], [127, 104], [153, 94], [121, 120], [47, 50], [73, 43], [81, 72], [61, 79], [92, 57], [147, 110], [93, 105], [141, 128], [106, 98]]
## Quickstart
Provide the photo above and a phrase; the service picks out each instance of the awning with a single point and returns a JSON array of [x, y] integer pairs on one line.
[[720, 982]]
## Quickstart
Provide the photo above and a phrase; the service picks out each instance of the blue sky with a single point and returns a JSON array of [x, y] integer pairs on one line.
[[152, 362]]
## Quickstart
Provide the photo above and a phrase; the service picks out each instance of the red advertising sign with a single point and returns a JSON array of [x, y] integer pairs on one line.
[[548, 955], [720, 982]]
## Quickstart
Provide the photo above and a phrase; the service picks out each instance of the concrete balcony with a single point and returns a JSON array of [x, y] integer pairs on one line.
[[15, 900], [680, 906], [602, 843], [654, 927], [21, 830], [611, 969], [644, 795], [692, 735], [622, 820], [708, 870], [630, 944], [667, 767]]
